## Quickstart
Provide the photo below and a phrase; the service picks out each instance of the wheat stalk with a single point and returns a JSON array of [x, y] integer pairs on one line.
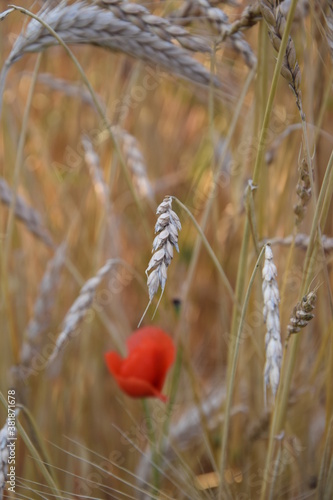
[[79, 309], [41, 319], [82, 23], [329, 27], [272, 319], [28, 215]]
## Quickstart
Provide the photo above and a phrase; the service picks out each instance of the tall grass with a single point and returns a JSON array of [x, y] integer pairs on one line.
[[239, 139]]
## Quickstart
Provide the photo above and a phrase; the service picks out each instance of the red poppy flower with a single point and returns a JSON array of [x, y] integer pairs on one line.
[[151, 352]]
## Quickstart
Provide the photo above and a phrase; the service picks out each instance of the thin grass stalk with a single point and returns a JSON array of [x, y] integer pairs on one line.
[[210, 251], [34, 453], [155, 449], [208, 207], [327, 455], [100, 110], [231, 381], [261, 99], [288, 365], [275, 474], [11, 217]]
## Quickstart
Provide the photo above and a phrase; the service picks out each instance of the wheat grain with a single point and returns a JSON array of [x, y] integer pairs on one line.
[[272, 319], [82, 23], [28, 215], [79, 309], [41, 320]]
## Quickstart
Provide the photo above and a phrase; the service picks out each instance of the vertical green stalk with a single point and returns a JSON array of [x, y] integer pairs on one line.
[[231, 382], [289, 359]]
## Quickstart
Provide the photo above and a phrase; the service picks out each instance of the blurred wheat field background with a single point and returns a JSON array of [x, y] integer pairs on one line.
[[224, 111]]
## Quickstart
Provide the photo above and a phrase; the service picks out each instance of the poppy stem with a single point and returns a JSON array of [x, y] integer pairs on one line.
[[154, 447]]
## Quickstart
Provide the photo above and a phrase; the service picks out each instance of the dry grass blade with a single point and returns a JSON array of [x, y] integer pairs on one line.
[[41, 320], [79, 309], [83, 23], [28, 215], [272, 319], [135, 161]]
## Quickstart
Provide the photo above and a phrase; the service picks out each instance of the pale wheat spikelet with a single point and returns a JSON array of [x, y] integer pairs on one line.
[[167, 227], [41, 320], [249, 17], [272, 319], [303, 190], [140, 16], [95, 170], [28, 215], [203, 10], [135, 161], [84, 23], [79, 308], [302, 313], [290, 70]]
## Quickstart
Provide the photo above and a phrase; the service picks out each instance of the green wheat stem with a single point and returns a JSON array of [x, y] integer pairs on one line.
[[231, 382], [289, 358]]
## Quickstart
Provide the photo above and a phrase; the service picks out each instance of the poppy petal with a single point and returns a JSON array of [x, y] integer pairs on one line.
[[142, 373]]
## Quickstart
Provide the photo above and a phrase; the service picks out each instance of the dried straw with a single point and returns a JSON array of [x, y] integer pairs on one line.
[[272, 319], [83, 23], [28, 215]]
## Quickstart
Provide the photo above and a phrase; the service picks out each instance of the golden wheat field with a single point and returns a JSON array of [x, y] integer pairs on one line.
[[166, 250]]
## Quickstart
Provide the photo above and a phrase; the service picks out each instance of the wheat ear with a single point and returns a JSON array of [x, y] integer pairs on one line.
[[290, 70], [79, 309], [28, 215], [273, 344], [41, 320], [166, 228], [83, 23], [205, 10], [302, 313]]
